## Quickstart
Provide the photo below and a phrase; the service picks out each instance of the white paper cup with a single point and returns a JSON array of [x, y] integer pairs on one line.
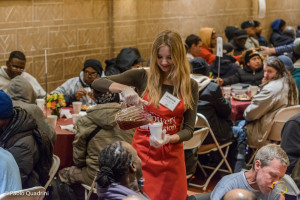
[[226, 92], [76, 106], [52, 119], [156, 131], [253, 90], [40, 103], [75, 117]]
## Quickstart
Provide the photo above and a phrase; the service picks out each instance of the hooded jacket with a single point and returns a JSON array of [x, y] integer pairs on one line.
[[214, 107], [70, 87], [23, 95], [277, 38], [272, 97], [245, 75], [228, 67], [206, 51], [24, 149], [85, 155]]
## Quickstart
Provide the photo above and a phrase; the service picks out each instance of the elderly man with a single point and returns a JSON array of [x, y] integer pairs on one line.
[[269, 166], [194, 45], [252, 72], [120, 172], [79, 88], [16, 66]]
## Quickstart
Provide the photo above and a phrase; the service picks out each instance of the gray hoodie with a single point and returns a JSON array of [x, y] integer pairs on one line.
[[23, 95]]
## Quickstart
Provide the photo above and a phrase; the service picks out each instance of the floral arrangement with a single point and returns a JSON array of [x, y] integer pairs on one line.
[[55, 102]]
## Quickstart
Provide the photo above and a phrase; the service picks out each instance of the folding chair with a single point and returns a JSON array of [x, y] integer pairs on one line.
[[88, 190], [273, 133], [196, 141], [34, 193], [207, 148], [53, 169]]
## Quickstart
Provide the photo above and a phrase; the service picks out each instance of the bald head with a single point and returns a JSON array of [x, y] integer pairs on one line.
[[239, 194]]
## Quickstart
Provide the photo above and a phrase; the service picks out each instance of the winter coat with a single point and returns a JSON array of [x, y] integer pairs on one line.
[[296, 76], [22, 95], [214, 107], [5, 79], [278, 39], [206, 51], [228, 66], [70, 87], [272, 97], [85, 155], [24, 149], [245, 75]]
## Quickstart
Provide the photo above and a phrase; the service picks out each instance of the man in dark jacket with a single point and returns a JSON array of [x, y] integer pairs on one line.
[[277, 38], [228, 65], [252, 72], [17, 129]]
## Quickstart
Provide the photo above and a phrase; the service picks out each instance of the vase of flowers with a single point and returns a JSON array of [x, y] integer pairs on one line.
[[55, 102]]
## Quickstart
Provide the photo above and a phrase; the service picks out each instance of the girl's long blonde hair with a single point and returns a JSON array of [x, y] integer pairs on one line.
[[179, 74]]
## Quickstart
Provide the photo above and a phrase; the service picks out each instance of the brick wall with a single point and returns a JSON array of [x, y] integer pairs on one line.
[[74, 30]]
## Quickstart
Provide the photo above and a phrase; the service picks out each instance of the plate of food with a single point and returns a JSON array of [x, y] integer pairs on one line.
[[84, 107], [242, 98]]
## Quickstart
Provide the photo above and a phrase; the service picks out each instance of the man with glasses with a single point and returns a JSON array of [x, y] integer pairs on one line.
[[15, 66], [78, 88]]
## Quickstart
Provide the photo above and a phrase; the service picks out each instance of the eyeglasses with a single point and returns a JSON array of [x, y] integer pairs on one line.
[[94, 74], [17, 68]]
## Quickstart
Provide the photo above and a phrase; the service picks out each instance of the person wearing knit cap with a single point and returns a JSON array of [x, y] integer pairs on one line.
[[79, 88], [18, 131], [229, 32], [251, 41], [277, 38], [15, 66], [288, 63], [239, 41], [252, 72]]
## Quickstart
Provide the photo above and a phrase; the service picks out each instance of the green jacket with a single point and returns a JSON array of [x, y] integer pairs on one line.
[[85, 155]]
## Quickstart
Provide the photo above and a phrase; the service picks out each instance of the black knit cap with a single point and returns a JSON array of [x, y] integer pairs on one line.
[[199, 66], [240, 34], [95, 64], [249, 54]]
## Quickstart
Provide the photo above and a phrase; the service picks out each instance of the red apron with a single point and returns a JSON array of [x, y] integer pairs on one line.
[[164, 167]]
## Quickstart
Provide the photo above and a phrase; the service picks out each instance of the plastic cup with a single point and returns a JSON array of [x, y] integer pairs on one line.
[[226, 92], [40, 103], [253, 90], [156, 131], [75, 117], [52, 119], [76, 106]]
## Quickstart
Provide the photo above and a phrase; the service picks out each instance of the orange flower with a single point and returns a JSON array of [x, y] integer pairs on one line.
[[53, 105]]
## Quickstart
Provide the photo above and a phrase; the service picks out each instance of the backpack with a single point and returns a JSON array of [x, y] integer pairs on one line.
[[58, 190]]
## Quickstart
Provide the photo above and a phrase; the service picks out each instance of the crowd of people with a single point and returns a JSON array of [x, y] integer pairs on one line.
[[182, 77]]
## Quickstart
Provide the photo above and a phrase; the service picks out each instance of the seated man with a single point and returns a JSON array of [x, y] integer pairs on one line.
[[19, 136], [277, 38], [258, 29], [238, 42], [251, 41], [120, 172], [79, 88], [22, 95], [15, 66], [10, 179], [239, 194], [95, 130], [269, 165], [290, 141], [209, 42], [252, 72], [288, 63], [194, 44], [128, 58]]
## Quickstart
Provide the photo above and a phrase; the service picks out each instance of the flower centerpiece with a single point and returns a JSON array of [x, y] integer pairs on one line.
[[55, 102]]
